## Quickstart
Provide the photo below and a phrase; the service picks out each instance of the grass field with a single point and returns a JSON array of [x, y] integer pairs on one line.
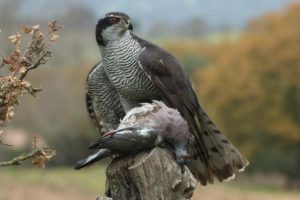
[[64, 183]]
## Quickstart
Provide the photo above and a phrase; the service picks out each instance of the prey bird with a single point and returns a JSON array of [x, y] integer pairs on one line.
[[142, 128], [133, 71]]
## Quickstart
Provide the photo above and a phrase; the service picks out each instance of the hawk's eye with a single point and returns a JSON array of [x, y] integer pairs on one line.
[[115, 20]]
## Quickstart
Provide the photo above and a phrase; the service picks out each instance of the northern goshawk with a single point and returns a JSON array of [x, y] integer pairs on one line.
[[133, 71]]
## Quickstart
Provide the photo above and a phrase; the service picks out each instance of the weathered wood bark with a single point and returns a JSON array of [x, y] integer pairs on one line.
[[148, 176], [103, 198]]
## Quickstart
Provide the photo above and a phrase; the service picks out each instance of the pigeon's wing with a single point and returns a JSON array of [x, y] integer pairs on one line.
[[91, 159], [102, 100], [214, 154], [127, 140], [122, 141]]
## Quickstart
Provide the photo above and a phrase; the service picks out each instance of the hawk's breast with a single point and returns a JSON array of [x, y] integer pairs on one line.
[[122, 67]]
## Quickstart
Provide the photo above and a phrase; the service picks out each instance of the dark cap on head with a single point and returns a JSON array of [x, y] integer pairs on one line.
[[117, 14], [112, 19]]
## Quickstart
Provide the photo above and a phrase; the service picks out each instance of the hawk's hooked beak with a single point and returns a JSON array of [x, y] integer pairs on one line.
[[129, 24], [130, 27]]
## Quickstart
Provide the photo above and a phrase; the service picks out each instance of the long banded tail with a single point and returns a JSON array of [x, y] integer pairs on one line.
[[222, 158]]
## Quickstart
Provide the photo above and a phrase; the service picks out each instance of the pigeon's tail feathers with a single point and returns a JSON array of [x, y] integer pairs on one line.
[[102, 153]]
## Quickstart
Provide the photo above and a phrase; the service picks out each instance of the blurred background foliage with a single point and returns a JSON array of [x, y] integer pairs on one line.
[[246, 78], [252, 87]]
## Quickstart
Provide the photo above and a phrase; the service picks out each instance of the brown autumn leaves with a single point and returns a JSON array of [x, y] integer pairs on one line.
[[16, 66], [251, 88]]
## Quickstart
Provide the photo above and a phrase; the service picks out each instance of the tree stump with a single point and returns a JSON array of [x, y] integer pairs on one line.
[[148, 176]]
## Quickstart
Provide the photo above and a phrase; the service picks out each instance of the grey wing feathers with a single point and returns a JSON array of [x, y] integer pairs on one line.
[[122, 141], [102, 100], [91, 111], [127, 140], [176, 89], [99, 155]]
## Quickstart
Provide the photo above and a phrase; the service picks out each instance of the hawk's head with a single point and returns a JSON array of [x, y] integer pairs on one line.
[[112, 26]]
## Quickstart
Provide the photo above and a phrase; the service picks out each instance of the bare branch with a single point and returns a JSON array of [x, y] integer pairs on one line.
[[32, 91], [39, 156], [34, 65]]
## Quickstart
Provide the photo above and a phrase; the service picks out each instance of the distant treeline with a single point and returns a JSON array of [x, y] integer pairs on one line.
[[252, 88]]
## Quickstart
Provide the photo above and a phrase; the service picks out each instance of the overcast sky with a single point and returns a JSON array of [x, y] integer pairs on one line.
[[216, 13], [235, 13]]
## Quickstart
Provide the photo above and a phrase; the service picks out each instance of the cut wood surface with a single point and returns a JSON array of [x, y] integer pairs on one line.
[[149, 175]]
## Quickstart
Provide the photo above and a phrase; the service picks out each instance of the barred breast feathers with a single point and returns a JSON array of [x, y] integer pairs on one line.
[[89, 103], [102, 100], [120, 60]]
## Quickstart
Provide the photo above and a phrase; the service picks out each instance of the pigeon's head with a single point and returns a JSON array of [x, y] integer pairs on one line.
[[112, 27]]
